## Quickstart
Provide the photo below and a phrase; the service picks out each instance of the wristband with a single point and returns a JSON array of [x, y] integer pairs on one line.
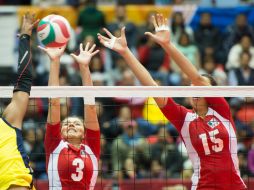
[[111, 43], [161, 28], [89, 100]]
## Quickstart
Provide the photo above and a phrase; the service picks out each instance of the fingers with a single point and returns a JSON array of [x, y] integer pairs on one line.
[[103, 40], [42, 48], [92, 48], [81, 47], [74, 56], [149, 34], [36, 22], [159, 20], [108, 33], [123, 32], [154, 22], [162, 23], [94, 53], [103, 37], [166, 22], [87, 46]]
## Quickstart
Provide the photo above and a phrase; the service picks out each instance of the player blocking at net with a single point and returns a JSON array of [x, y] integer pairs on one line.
[[73, 147], [15, 172], [208, 130]]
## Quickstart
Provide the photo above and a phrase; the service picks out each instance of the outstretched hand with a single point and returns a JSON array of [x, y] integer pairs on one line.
[[28, 23], [117, 44], [86, 55], [162, 34], [53, 53]]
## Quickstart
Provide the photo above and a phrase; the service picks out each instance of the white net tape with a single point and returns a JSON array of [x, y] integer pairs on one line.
[[135, 91]]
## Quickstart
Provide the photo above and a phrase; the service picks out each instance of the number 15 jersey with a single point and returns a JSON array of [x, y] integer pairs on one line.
[[69, 167], [211, 144]]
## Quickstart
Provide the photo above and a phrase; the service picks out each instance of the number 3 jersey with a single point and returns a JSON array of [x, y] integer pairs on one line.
[[69, 167], [211, 144]]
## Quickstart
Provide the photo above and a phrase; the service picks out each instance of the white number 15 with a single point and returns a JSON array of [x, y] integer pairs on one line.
[[218, 143]]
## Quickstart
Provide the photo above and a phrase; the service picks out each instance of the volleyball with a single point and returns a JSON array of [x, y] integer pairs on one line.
[[53, 31]]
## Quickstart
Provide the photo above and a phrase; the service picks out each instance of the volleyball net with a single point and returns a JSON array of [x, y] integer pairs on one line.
[[140, 148]]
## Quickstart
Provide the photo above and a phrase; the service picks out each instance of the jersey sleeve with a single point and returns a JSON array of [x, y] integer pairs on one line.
[[175, 113], [220, 105], [92, 139], [52, 137]]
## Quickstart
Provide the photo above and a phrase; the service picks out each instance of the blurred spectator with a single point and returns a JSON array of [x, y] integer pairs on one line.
[[155, 60], [165, 151], [146, 27], [124, 148], [121, 21], [157, 171], [105, 159], [236, 31], [189, 49], [136, 104], [34, 147], [245, 44], [178, 27], [251, 159], [244, 75], [207, 36], [96, 65], [243, 164], [217, 71], [115, 74], [113, 128], [128, 79], [90, 21]]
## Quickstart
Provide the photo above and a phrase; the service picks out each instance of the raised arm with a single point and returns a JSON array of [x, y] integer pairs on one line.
[[15, 111], [54, 103], [162, 37], [120, 46], [83, 59]]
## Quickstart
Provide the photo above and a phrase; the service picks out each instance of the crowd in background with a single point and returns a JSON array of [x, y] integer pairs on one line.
[[137, 140]]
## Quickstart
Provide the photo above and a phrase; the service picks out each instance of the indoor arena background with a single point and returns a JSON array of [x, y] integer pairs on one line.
[[209, 32]]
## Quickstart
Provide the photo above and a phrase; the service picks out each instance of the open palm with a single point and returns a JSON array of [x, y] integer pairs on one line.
[[117, 44], [162, 34], [53, 53], [86, 55]]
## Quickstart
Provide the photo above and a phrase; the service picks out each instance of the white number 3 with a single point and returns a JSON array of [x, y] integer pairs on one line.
[[79, 163], [218, 143]]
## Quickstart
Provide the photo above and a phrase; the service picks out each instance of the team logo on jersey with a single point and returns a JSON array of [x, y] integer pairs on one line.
[[213, 123]]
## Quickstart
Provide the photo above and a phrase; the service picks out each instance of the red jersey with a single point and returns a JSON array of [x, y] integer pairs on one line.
[[211, 144], [69, 167]]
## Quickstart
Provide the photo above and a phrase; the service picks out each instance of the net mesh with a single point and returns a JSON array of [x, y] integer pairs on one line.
[[140, 147]]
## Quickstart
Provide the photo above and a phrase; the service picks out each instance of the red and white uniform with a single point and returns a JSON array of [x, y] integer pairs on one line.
[[69, 167], [211, 144]]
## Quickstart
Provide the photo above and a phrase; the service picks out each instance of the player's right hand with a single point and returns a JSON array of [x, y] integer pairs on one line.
[[162, 34], [53, 53], [117, 44], [28, 23]]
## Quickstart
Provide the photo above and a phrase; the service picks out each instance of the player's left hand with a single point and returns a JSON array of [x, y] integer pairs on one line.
[[28, 23], [117, 44], [53, 53], [85, 55]]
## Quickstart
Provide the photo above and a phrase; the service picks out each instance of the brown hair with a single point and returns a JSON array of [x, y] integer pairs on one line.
[[211, 79]]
